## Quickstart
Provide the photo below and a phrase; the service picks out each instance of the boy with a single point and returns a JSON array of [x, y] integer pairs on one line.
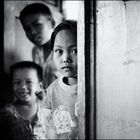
[[38, 23], [25, 118], [62, 93]]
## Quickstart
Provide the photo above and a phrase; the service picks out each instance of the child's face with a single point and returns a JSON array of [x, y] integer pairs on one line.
[[65, 53], [38, 28], [26, 84]]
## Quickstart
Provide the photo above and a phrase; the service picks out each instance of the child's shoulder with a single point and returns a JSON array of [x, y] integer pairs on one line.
[[54, 84], [8, 109]]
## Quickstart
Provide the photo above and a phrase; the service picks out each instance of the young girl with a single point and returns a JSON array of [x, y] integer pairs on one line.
[[62, 93]]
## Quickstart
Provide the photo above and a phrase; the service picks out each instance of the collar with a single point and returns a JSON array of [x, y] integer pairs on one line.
[[69, 88]]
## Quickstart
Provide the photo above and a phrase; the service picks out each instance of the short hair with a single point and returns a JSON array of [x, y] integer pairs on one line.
[[36, 8], [67, 24], [26, 64]]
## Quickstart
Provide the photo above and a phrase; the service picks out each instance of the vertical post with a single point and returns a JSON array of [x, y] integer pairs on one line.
[[90, 70], [81, 70]]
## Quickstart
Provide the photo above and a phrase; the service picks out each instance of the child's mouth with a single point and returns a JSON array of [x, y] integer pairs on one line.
[[66, 68], [38, 40], [23, 94]]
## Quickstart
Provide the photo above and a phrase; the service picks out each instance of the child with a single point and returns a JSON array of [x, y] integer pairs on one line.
[[25, 118], [38, 23], [62, 93]]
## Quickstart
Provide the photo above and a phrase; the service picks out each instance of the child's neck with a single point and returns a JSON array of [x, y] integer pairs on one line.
[[70, 80], [27, 111], [47, 48]]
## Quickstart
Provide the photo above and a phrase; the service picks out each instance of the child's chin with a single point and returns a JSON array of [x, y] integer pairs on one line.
[[22, 102], [26, 98], [67, 74]]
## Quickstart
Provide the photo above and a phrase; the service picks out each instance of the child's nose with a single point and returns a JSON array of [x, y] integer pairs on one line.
[[66, 58], [23, 85]]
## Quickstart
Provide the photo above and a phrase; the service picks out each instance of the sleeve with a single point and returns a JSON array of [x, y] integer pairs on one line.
[[11, 127]]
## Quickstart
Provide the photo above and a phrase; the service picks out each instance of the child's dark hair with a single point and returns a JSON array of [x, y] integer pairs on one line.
[[36, 8], [26, 64], [67, 24]]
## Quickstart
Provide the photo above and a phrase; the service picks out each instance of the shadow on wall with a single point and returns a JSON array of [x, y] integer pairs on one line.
[[6, 96], [12, 58]]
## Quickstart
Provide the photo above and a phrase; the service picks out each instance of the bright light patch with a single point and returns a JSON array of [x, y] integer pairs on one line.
[[71, 9]]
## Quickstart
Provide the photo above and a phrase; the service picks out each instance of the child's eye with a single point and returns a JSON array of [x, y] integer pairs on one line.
[[29, 82], [37, 24], [74, 51], [16, 82], [58, 51]]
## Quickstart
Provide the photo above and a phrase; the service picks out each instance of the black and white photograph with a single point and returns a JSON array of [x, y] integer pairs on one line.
[[71, 69], [42, 99]]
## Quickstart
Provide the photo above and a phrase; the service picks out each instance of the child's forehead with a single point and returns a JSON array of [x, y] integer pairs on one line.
[[37, 14], [25, 73], [35, 17], [66, 33], [25, 70], [65, 36], [65, 30]]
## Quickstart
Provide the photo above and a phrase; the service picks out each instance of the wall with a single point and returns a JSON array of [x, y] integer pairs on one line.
[[118, 69]]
